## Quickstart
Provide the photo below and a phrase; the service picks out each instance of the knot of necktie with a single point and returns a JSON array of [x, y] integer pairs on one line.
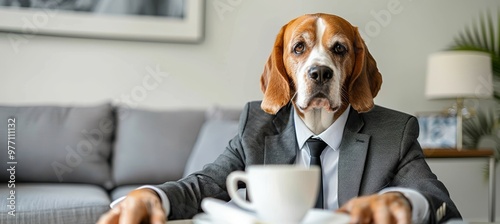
[[316, 146]]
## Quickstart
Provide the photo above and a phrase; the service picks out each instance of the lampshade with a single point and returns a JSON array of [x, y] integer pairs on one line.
[[459, 74]]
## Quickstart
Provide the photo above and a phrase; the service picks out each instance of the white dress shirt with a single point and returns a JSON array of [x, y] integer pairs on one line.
[[332, 136]]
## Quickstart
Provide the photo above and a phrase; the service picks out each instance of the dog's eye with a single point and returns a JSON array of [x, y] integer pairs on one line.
[[299, 48], [339, 48]]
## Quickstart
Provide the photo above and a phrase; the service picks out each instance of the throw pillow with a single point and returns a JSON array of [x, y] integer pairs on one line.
[[56, 144], [152, 147]]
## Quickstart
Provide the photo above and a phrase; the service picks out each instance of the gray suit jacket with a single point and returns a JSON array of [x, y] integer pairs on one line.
[[379, 149]]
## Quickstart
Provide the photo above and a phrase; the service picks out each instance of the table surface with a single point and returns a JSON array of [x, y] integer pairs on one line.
[[187, 221]]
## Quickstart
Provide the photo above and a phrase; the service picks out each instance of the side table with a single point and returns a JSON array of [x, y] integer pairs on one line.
[[472, 153]]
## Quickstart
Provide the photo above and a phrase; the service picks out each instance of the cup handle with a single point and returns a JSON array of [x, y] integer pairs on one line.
[[232, 188]]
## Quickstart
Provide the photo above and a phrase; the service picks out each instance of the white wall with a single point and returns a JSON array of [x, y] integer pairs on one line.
[[225, 68]]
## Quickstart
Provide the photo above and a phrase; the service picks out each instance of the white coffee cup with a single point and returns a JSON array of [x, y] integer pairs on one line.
[[278, 193]]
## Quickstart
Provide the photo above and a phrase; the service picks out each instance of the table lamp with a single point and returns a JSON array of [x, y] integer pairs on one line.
[[459, 75]]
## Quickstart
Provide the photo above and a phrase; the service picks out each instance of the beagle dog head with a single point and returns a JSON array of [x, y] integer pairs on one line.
[[319, 61]]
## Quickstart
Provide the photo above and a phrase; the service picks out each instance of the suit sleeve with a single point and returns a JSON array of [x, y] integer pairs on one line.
[[413, 172], [185, 195]]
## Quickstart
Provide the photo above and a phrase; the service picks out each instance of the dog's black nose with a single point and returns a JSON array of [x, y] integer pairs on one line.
[[320, 74]]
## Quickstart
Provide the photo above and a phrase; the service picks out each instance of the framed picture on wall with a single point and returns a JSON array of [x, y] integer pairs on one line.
[[148, 20], [437, 130]]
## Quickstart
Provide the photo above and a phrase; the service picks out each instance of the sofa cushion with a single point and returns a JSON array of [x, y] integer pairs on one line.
[[54, 203], [212, 141], [153, 146], [123, 191], [58, 144]]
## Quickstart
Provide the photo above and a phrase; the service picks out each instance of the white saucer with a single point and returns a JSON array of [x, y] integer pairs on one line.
[[314, 216], [321, 216]]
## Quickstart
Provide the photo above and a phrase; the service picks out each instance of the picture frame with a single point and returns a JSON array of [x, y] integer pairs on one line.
[[437, 130], [27, 22]]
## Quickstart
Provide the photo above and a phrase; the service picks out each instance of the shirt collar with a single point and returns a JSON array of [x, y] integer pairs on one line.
[[332, 135]]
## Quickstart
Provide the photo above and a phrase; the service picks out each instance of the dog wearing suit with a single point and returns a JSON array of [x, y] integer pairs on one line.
[[320, 72], [318, 68]]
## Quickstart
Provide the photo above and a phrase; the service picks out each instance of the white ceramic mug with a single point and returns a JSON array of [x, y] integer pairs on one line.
[[278, 193]]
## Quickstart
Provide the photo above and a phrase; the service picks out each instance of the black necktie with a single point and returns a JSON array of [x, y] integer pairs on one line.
[[316, 147]]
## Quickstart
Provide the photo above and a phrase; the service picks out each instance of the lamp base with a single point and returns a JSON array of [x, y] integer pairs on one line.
[[461, 112], [460, 115]]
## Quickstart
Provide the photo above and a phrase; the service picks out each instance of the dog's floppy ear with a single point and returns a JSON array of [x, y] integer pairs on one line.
[[365, 80], [274, 82]]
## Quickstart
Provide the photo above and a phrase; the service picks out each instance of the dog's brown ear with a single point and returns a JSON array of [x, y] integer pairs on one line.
[[274, 82], [365, 80]]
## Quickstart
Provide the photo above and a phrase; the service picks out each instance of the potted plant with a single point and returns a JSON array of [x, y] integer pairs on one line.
[[484, 36]]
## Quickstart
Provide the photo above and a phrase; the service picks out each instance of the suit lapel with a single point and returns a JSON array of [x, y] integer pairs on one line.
[[352, 156], [282, 148]]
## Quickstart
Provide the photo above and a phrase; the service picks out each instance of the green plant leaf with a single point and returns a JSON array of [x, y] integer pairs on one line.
[[498, 34], [482, 34], [491, 32], [480, 125], [470, 38], [496, 96]]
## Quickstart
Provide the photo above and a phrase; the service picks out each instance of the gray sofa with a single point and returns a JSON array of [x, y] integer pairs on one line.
[[71, 162]]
